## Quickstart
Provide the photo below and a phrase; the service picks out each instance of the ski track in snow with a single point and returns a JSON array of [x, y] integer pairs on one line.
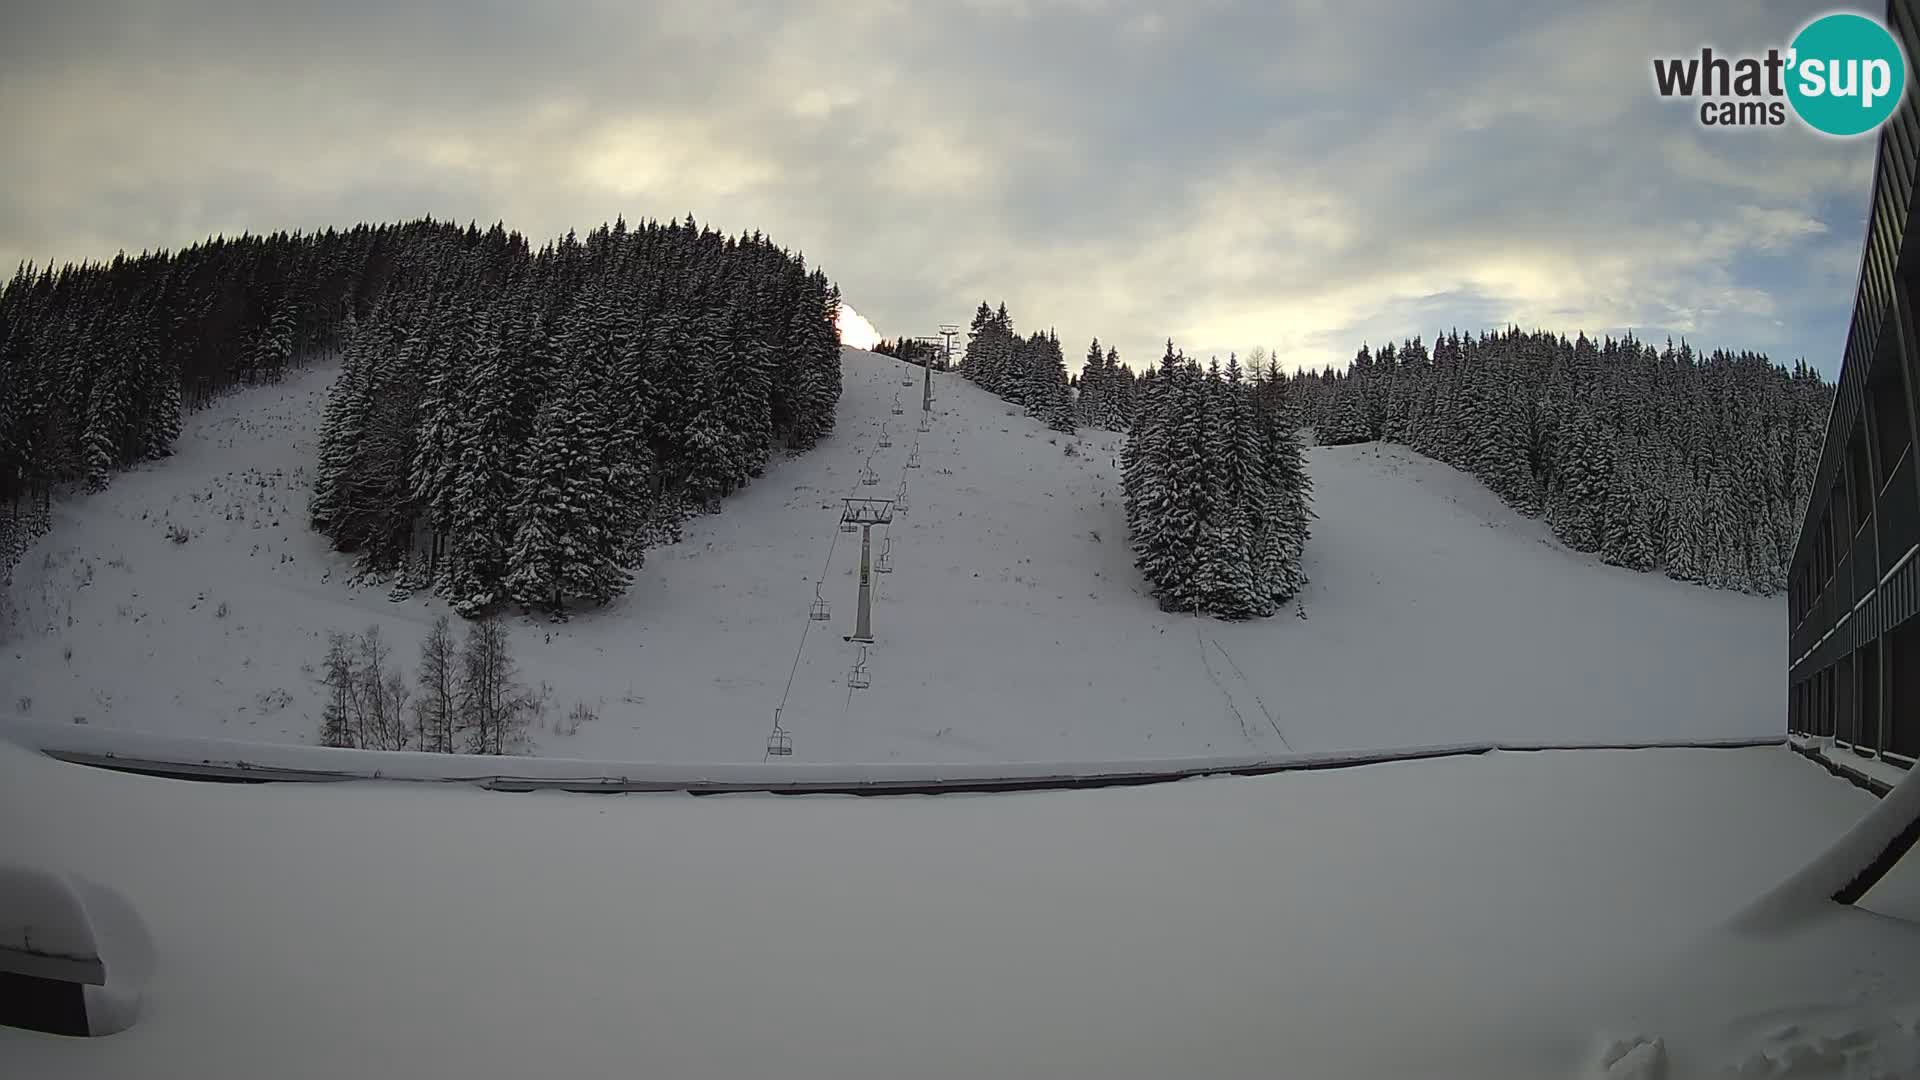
[[1007, 632]]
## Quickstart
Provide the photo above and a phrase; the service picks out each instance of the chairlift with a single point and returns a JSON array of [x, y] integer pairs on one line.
[[913, 459], [780, 741], [886, 440], [818, 611], [848, 526], [867, 475], [884, 565], [900, 498], [858, 679], [923, 423]]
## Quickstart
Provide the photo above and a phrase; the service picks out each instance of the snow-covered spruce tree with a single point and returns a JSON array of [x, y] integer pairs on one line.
[[1280, 538], [1048, 399], [564, 539], [973, 359], [1120, 394], [505, 372], [1239, 494], [1377, 389], [1215, 491], [1144, 461], [1345, 415], [1406, 376], [108, 415], [1090, 403]]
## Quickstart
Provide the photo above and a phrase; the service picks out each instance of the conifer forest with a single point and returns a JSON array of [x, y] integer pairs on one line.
[[508, 425]]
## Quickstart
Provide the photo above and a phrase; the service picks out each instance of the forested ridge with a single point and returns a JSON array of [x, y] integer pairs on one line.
[[1695, 465], [508, 425]]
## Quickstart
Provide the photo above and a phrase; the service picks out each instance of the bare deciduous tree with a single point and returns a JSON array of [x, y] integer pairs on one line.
[[436, 711]]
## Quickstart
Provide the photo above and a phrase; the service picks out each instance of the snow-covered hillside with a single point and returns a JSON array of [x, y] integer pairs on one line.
[[1013, 626]]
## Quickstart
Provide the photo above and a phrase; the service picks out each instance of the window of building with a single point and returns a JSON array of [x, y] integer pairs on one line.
[[1868, 664], [1845, 720], [1903, 689], [1858, 476], [1886, 390]]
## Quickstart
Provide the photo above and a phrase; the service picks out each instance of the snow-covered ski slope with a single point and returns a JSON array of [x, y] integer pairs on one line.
[[1012, 628]]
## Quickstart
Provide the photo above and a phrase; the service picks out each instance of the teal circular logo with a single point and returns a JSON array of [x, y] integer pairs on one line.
[[1846, 74]]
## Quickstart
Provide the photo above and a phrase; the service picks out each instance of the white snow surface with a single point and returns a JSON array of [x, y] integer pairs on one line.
[[1007, 632], [1558, 914], [41, 915]]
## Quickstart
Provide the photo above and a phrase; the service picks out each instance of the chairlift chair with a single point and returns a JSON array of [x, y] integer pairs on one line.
[[900, 498], [884, 565], [867, 475], [913, 459], [818, 611], [858, 679], [780, 742], [886, 440], [923, 423]]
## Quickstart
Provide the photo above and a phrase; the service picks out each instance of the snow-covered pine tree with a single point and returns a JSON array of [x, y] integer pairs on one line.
[[974, 359], [1402, 388], [1346, 420], [1089, 404], [109, 413], [1048, 399], [1377, 389], [564, 539], [1145, 462], [1238, 499]]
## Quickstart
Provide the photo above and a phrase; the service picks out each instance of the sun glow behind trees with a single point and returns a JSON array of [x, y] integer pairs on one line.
[[855, 330]]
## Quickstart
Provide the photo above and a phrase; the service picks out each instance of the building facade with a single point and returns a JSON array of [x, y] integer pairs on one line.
[[1854, 585]]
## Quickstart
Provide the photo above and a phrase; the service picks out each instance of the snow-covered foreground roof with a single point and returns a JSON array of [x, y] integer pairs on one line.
[[1013, 628], [1496, 916]]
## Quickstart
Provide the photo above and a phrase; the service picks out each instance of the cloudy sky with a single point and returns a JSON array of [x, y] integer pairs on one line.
[[1297, 175]]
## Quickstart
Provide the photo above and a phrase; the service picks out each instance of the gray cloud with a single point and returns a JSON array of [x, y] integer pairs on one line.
[[1299, 176]]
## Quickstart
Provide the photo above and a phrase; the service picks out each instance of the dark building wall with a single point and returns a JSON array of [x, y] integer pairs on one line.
[[1854, 585]]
